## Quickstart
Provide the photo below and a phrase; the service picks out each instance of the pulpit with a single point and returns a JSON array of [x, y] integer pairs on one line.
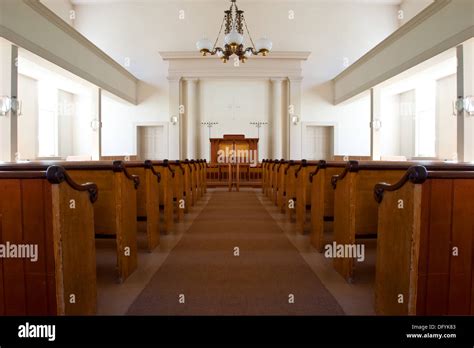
[[244, 150]]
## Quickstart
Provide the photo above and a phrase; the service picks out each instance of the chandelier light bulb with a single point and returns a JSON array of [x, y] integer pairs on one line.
[[204, 45], [234, 38], [263, 45]]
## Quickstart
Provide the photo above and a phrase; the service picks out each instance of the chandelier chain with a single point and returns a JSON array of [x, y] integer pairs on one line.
[[248, 32], [218, 35]]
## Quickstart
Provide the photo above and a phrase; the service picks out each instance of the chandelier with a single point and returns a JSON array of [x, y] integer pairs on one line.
[[234, 22]]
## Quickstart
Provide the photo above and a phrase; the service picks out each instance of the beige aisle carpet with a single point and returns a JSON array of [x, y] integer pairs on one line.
[[203, 271]]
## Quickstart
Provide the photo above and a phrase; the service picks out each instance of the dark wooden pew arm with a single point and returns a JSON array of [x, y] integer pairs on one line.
[[351, 166], [57, 175], [149, 165], [166, 164], [282, 162], [303, 164], [119, 166], [321, 165], [290, 163], [178, 163], [415, 175], [188, 163]]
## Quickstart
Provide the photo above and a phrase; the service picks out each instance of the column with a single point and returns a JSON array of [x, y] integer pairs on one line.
[[465, 87], [191, 117], [8, 87], [375, 105], [277, 118], [294, 109], [97, 118], [175, 131]]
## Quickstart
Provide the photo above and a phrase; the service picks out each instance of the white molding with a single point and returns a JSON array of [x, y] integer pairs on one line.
[[191, 64]]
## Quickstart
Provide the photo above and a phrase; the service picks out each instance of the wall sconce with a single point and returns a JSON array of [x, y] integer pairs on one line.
[[464, 104], [95, 124], [376, 124], [174, 120], [8, 104], [295, 119]]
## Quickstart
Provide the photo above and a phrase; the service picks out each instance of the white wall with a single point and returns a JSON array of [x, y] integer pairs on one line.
[[28, 121], [351, 119], [234, 104], [335, 32], [446, 122]]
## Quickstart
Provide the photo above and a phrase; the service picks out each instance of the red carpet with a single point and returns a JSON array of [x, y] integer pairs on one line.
[[213, 281]]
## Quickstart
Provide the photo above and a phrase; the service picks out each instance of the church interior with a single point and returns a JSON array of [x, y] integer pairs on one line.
[[236, 158]]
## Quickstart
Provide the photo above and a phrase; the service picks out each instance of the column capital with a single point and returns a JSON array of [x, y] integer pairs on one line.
[[277, 79], [191, 79], [295, 79]]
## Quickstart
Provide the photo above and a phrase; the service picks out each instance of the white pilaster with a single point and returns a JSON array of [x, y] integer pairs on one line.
[[294, 109], [277, 117], [375, 123], [465, 76], [192, 117], [175, 131], [8, 87]]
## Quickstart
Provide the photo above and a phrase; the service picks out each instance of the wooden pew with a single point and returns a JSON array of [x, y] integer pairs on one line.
[[148, 199], [204, 175], [179, 189], [425, 244], [265, 164], [165, 189], [290, 187], [303, 192], [115, 212], [355, 212], [281, 194], [322, 199], [188, 168], [49, 210]]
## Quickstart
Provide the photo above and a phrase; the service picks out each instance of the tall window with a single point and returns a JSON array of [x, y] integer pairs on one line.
[[47, 120]]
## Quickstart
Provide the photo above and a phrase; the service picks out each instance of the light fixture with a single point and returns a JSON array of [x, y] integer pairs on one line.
[[174, 120], [376, 124], [295, 119], [234, 22], [464, 104], [95, 125], [8, 104]]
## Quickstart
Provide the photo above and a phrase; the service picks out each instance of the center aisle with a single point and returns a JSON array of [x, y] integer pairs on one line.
[[260, 281]]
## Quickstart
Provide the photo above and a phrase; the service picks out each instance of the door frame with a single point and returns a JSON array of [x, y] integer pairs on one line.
[[166, 134], [335, 131]]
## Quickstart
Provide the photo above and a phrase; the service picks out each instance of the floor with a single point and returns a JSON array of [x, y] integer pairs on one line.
[[248, 284]]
